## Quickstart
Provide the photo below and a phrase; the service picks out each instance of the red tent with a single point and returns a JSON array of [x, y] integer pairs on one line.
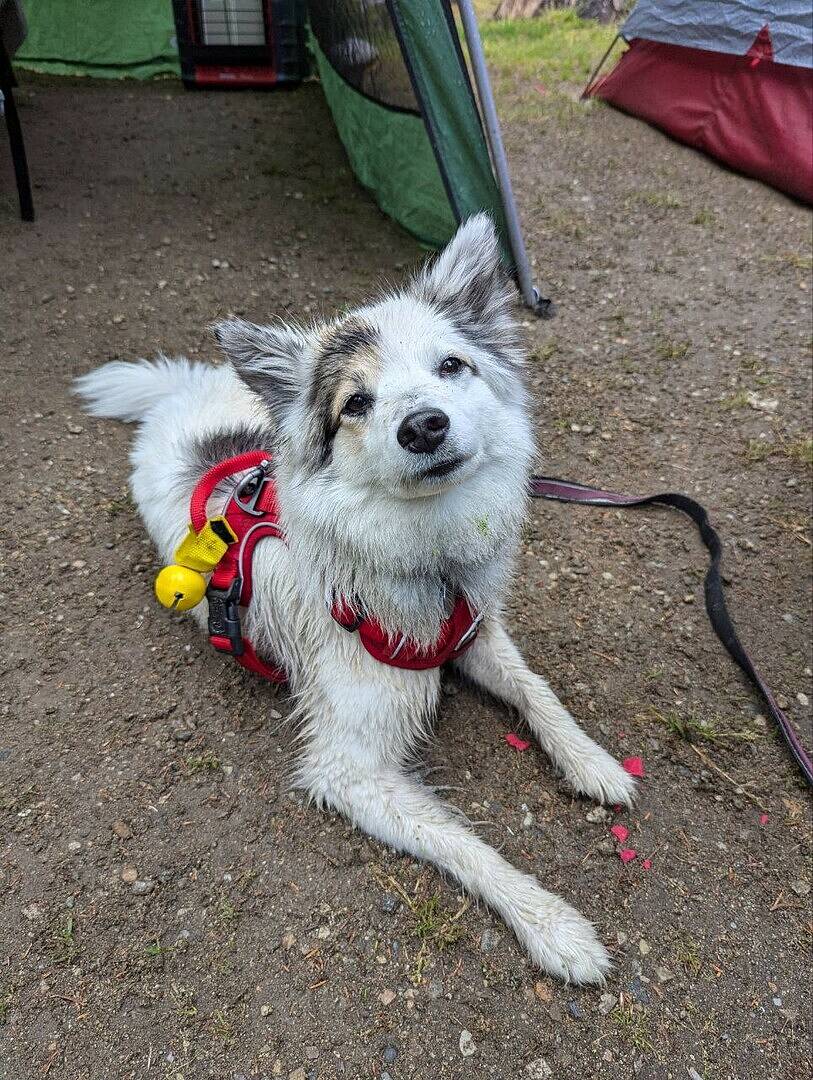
[[730, 77]]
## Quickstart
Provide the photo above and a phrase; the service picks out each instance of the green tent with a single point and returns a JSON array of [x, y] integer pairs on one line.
[[393, 71]]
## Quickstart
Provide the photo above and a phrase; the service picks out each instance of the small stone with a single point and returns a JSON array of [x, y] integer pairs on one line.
[[803, 699], [78, 564], [389, 903], [311, 1053], [74, 847], [597, 816], [543, 992], [129, 874], [663, 974], [75, 429], [386, 997], [122, 829], [607, 1002], [528, 820], [466, 1044], [389, 1055], [118, 319], [621, 937], [801, 888], [297, 1074], [181, 734], [538, 1070], [143, 888], [265, 1010], [644, 948], [575, 1010], [639, 991], [288, 941], [693, 1073], [607, 1055], [323, 933]]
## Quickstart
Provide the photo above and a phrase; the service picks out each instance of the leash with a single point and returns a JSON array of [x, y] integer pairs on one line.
[[550, 487]]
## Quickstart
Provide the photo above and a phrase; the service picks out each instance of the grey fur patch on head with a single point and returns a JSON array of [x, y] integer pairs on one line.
[[346, 354], [271, 360], [468, 285], [208, 450]]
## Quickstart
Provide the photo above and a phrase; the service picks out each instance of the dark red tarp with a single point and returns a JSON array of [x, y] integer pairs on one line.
[[751, 113]]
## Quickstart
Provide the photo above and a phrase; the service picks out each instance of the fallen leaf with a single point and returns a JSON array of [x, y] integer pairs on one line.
[[620, 832], [516, 742], [627, 854], [634, 766]]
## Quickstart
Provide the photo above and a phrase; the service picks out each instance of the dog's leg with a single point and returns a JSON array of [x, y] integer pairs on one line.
[[384, 802], [494, 663]]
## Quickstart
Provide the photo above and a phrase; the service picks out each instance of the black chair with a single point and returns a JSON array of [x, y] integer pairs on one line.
[[12, 33]]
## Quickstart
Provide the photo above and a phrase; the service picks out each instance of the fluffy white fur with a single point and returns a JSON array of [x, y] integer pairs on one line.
[[364, 522]]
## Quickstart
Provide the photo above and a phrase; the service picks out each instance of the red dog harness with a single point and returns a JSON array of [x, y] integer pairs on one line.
[[252, 513]]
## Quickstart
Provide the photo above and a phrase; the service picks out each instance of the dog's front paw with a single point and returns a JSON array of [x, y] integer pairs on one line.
[[567, 947], [598, 775]]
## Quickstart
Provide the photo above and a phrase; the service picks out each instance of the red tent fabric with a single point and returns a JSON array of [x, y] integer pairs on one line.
[[748, 111]]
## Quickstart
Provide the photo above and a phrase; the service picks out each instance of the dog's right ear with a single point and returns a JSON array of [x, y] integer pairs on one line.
[[269, 359]]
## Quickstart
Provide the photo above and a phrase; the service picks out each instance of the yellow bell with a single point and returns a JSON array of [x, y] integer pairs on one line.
[[179, 588]]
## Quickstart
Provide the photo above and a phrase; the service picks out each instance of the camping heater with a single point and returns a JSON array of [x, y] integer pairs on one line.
[[241, 43]]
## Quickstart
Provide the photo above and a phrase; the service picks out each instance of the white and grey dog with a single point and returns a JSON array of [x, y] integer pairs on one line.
[[401, 448]]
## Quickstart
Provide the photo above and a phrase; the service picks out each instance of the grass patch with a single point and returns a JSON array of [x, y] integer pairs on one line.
[[205, 761], [687, 955], [6, 997], [705, 217], [633, 1025], [800, 451], [737, 401], [435, 928], [63, 941], [694, 727], [666, 349], [556, 47], [226, 911], [660, 200]]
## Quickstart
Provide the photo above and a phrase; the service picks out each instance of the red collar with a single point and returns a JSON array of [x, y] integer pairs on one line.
[[252, 513]]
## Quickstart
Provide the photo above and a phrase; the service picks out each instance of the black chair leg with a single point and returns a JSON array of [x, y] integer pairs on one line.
[[15, 138]]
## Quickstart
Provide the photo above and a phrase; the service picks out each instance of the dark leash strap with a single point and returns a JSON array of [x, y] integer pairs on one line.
[[549, 487]]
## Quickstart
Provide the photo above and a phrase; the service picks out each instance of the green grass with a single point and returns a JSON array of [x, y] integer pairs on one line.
[[556, 47]]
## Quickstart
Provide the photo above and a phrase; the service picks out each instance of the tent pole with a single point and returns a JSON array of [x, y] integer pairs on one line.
[[590, 82], [540, 306]]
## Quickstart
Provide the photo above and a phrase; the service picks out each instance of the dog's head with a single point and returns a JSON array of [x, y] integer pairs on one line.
[[408, 396]]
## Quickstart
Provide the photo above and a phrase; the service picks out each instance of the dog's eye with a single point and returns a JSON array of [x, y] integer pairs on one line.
[[451, 366], [357, 405]]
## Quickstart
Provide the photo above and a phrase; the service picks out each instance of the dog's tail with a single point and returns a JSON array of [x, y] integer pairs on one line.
[[125, 391]]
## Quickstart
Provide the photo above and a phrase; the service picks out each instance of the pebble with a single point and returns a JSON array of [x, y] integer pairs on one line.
[[74, 847], [390, 1054], [644, 948], [181, 734], [122, 829], [386, 997], [528, 820], [297, 1074], [389, 904], [575, 1010], [129, 874], [143, 888], [693, 1073], [538, 1070], [489, 940], [466, 1043], [803, 699], [75, 429], [597, 816], [265, 1010], [801, 888], [639, 991], [663, 974], [607, 1002]]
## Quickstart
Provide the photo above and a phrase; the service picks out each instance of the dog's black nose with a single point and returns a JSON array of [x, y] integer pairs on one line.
[[423, 431]]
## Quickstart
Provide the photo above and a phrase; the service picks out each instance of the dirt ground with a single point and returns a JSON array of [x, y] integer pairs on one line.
[[167, 908]]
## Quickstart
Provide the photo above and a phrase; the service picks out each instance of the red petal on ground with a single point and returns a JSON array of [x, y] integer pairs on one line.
[[763, 819], [620, 832], [634, 766], [627, 854], [647, 864], [516, 742]]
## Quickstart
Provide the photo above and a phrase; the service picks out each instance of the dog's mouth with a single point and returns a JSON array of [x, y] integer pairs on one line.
[[443, 468]]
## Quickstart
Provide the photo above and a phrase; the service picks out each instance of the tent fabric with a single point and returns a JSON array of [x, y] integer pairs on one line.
[[727, 26], [751, 113], [391, 156], [106, 38], [383, 65]]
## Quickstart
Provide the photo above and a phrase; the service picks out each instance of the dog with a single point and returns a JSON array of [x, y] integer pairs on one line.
[[401, 449]]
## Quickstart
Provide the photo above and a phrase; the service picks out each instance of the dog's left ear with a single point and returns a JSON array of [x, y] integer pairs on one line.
[[269, 359], [468, 283]]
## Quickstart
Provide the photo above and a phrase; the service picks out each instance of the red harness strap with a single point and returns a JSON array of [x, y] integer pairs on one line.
[[252, 512]]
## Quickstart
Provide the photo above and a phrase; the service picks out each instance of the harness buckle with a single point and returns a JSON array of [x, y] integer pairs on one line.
[[248, 490], [470, 634], [224, 616]]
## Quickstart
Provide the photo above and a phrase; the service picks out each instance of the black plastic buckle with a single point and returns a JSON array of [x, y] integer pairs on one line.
[[224, 615]]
